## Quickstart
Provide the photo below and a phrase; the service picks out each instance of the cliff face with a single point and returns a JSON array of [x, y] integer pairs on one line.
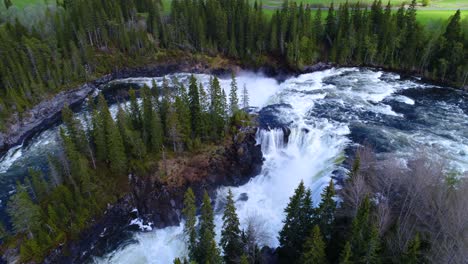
[[158, 198]]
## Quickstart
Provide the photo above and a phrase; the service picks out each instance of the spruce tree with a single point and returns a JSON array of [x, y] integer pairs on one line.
[[326, 211], [346, 254], [413, 255], [245, 97], [190, 231], [25, 214], [134, 111], [365, 241], [115, 153], [296, 225], [195, 109], [314, 248], [233, 99], [207, 250], [231, 233]]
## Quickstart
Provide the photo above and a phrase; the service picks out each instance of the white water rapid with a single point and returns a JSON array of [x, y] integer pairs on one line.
[[321, 110], [325, 112]]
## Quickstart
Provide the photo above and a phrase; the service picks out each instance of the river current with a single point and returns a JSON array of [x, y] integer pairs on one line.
[[327, 113]]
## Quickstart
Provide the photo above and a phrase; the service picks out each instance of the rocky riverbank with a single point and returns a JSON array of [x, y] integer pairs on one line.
[[159, 200], [48, 112]]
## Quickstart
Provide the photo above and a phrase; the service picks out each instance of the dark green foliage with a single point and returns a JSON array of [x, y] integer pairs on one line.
[[346, 254], [233, 98], [314, 248], [364, 239], [231, 234], [24, 213], [299, 215], [217, 109], [195, 108], [207, 250], [326, 211], [190, 231], [413, 255]]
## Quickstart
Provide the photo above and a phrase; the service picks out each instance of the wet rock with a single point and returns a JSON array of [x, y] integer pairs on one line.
[[243, 197], [41, 116], [321, 66]]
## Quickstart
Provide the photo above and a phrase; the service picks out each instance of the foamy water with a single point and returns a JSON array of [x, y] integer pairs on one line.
[[326, 112], [325, 108]]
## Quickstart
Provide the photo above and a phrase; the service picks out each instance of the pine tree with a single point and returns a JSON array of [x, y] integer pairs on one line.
[[314, 248], [346, 254], [217, 109], [25, 215], [326, 211], [245, 97], [296, 225], [231, 233], [233, 100], [115, 153], [365, 241], [190, 231], [39, 185], [135, 112], [413, 255], [195, 109], [182, 105], [207, 251]]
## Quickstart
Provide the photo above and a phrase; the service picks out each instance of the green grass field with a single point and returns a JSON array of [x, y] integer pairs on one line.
[[425, 14], [23, 3]]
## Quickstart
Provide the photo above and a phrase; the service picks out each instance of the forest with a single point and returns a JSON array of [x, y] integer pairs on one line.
[[101, 151], [78, 41], [383, 213], [412, 215]]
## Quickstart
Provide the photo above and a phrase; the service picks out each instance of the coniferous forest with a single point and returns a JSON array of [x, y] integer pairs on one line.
[[77, 41], [416, 220]]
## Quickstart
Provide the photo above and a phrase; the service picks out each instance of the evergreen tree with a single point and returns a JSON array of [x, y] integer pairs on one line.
[[314, 248], [296, 225], [25, 214], [207, 251], [135, 113], [115, 153], [217, 110], [231, 233], [346, 254], [245, 97], [365, 241], [326, 211], [190, 231], [39, 185], [195, 109], [413, 255], [233, 99]]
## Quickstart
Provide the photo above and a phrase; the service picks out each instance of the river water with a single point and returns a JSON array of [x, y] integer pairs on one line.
[[327, 113]]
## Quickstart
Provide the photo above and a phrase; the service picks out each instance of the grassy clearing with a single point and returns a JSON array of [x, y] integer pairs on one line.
[[427, 16], [23, 3]]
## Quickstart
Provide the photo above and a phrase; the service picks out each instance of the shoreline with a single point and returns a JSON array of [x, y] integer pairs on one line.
[[48, 112]]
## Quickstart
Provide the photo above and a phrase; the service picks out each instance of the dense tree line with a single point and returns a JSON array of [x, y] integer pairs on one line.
[[100, 152], [80, 40]]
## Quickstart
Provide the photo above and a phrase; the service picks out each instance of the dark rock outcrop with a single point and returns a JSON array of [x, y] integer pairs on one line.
[[42, 116]]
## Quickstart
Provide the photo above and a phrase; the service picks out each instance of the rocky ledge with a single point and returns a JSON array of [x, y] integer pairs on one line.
[[157, 201]]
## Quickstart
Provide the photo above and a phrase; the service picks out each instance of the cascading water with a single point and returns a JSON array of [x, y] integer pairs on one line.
[[306, 124]]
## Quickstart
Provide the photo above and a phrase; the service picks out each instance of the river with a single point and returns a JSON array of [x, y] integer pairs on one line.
[[327, 113]]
